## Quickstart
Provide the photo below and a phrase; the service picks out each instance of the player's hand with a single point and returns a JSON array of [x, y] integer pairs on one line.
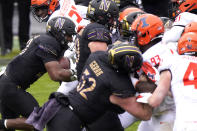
[[143, 97], [73, 69]]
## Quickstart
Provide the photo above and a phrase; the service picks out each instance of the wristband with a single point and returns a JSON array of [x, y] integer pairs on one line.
[[5, 123]]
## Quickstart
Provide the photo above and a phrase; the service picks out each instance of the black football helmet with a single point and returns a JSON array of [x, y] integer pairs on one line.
[[125, 57], [59, 27], [125, 24], [104, 12], [122, 4]]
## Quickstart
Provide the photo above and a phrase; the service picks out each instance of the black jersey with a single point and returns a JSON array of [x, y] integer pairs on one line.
[[28, 66], [92, 32], [99, 80]]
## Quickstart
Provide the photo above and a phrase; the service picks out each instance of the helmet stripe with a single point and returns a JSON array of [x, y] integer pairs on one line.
[[127, 48]]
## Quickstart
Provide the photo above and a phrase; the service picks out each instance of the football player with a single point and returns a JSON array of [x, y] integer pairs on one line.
[[96, 37], [177, 73], [184, 12], [90, 100], [127, 16], [44, 9], [149, 29], [40, 56]]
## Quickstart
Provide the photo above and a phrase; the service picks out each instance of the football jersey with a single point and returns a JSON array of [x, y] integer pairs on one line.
[[28, 66], [184, 88], [99, 80], [92, 32], [156, 53], [179, 24], [70, 10], [155, 56]]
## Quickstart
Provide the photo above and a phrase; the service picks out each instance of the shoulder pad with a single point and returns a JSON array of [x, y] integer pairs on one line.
[[97, 33], [49, 45]]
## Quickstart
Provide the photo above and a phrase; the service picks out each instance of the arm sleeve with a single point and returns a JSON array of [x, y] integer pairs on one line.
[[123, 87], [45, 56], [167, 63], [48, 50]]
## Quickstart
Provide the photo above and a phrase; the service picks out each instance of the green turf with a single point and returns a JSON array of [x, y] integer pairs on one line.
[[44, 86]]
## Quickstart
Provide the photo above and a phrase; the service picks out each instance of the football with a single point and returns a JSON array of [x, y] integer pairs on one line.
[[145, 84], [64, 62]]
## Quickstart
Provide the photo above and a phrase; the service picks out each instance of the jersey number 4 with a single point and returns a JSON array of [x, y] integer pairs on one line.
[[190, 77]]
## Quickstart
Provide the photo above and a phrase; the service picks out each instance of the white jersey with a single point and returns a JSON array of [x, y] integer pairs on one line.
[[70, 10], [184, 89], [155, 56], [163, 116], [156, 53], [179, 24]]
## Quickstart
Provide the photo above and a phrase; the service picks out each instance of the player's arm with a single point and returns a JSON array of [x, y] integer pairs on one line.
[[162, 89], [49, 54], [139, 110], [57, 72], [18, 123]]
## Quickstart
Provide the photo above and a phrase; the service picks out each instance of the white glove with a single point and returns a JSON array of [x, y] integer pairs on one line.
[[2, 70], [66, 87], [143, 97], [73, 68]]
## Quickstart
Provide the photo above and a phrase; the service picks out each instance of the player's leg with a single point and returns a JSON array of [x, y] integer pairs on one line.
[[64, 119], [127, 119], [108, 122], [24, 22], [145, 126], [161, 122], [164, 122], [20, 101]]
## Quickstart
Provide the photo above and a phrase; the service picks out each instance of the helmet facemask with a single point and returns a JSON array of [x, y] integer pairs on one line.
[[102, 14], [39, 18]]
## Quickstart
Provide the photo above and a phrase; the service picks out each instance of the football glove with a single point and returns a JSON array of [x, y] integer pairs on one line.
[[143, 97]]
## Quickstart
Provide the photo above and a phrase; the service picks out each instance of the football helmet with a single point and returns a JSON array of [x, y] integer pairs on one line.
[[187, 44], [191, 27], [125, 24], [125, 57], [127, 11], [50, 5], [60, 27], [147, 27], [182, 6], [104, 12], [125, 3]]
